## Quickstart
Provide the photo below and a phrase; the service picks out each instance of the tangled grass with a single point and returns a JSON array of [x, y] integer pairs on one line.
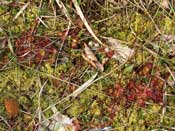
[[44, 65]]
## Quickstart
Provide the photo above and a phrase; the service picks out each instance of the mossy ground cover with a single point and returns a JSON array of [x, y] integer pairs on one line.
[[145, 27]]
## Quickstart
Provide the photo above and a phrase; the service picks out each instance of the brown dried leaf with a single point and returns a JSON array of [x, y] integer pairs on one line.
[[89, 56], [12, 108], [121, 52], [88, 60]]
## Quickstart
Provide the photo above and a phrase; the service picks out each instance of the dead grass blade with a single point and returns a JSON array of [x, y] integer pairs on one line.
[[10, 46], [21, 10], [84, 86], [76, 92], [80, 13], [63, 8]]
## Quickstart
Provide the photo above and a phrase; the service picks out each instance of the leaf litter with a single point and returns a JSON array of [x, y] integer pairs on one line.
[[122, 85]]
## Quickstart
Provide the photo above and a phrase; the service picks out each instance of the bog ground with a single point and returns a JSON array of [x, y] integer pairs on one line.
[[87, 65]]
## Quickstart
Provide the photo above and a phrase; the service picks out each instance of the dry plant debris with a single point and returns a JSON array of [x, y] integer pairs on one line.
[[89, 56], [58, 122], [11, 106], [103, 64]]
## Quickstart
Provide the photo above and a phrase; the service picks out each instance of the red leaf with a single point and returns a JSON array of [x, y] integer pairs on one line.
[[131, 84], [118, 91]]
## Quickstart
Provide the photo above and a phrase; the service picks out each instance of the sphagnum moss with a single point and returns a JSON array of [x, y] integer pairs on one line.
[[131, 24]]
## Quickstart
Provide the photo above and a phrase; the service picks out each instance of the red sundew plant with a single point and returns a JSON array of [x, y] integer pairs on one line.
[[118, 91], [145, 69], [138, 92], [32, 49], [141, 93]]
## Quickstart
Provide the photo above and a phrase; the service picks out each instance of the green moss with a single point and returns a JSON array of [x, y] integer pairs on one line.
[[168, 25], [76, 109], [129, 24]]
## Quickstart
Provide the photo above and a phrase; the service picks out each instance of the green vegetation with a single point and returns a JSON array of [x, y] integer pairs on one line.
[[58, 65]]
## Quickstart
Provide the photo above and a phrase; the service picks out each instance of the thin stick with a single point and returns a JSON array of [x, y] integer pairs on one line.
[[172, 75], [63, 8], [79, 12], [62, 43], [21, 10], [3, 119], [39, 100], [76, 92]]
